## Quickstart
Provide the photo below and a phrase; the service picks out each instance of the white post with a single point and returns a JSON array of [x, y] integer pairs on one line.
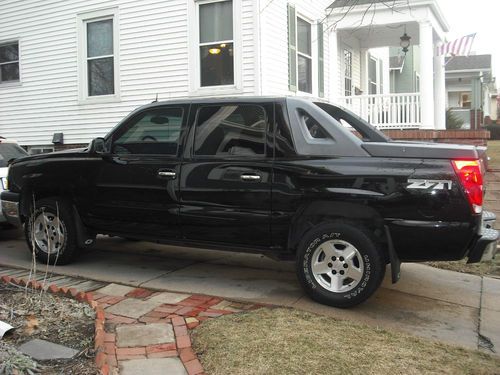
[[439, 93], [427, 74], [335, 70]]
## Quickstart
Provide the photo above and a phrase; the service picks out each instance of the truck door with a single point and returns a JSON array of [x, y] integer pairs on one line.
[[136, 189], [226, 175]]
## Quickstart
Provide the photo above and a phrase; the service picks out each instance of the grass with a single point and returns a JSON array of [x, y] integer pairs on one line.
[[494, 154], [491, 268], [286, 341]]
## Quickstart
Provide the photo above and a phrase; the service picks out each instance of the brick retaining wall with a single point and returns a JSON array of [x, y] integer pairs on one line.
[[470, 137]]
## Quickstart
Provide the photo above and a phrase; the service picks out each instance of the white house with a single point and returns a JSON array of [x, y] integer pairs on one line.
[[470, 85], [77, 67]]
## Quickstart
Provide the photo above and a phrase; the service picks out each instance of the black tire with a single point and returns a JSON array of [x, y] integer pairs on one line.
[[53, 207], [372, 270]]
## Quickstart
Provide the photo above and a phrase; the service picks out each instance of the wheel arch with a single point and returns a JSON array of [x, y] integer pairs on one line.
[[319, 212], [63, 193]]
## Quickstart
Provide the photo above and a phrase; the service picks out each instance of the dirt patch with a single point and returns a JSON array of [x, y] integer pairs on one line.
[[286, 341], [45, 316]]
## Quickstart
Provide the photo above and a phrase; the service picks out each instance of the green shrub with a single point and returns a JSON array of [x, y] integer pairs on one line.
[[452, 121]]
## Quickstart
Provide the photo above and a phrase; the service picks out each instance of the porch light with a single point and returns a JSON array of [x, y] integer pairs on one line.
[[214, 51], [405, 42]]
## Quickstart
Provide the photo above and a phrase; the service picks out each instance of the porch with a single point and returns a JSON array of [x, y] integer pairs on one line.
[[386, 111], [366, 38]]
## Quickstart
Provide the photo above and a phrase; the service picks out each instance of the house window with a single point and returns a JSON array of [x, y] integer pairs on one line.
[[347, 73], [216, 43], [304, 58], [9, 62], [36, 150], [465, 100], [98, 55], [372, 76], [100, 58]]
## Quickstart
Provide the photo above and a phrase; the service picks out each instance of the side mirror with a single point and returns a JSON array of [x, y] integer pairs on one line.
[[97, 146]]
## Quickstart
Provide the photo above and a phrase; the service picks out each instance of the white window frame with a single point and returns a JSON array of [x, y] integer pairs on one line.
[[83, 86], [19, 58], [195, 88], [310, 57], [344, 76]]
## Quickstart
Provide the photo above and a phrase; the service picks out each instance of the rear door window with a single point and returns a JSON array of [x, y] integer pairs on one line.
[[230, 130]]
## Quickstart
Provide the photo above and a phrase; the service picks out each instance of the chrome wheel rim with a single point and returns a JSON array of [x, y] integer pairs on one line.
[[337, 266], [49, 233]]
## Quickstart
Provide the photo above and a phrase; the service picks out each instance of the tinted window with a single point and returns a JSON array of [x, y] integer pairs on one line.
[[313, 127], [230, 130], [9, 151], [152, 132]]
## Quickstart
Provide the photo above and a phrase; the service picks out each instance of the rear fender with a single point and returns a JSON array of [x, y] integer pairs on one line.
[[314, 213]]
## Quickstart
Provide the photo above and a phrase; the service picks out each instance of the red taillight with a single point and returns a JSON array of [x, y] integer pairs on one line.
[[470, 175]]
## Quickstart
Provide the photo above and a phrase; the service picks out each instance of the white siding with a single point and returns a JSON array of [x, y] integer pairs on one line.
[[274, 40], [153, 48]]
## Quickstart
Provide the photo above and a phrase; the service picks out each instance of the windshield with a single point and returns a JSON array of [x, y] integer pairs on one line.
[[9, 151], [367, 132]]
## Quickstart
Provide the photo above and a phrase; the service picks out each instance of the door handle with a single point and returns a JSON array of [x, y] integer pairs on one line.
[[250, 177], [168, 174]]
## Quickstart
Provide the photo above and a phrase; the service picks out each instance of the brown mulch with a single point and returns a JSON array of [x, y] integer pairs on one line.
[[37, 315]]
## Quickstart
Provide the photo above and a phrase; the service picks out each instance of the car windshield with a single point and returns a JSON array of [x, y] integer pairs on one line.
[[10, 151]]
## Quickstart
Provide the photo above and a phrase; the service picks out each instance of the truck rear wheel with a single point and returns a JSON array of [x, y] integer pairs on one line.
[[51, 232], [339, 264]]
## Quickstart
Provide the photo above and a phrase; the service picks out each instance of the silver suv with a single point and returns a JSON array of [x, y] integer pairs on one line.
[[9, 150]]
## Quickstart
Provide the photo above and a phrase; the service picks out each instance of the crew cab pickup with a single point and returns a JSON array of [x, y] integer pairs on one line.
[[289, 177]]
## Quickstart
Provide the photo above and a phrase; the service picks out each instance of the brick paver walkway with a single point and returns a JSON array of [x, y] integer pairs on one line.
[[141, 331]]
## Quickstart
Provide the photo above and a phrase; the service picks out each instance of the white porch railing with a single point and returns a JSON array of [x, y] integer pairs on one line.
[[386, 111]]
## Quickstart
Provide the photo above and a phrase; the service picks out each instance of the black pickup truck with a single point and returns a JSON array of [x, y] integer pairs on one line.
[[288, 177]]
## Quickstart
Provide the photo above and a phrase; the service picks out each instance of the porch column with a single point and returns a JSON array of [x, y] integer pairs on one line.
[[335, 69], [426, 74], [439, 93]]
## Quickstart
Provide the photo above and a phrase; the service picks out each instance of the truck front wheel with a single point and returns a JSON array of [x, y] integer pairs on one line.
[[51, 232], [339, 264]]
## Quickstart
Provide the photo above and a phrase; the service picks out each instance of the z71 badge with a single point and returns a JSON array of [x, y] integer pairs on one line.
[[429, 184]]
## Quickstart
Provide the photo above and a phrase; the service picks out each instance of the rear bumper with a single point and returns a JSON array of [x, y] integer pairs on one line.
[[485, 247], [10, 207]]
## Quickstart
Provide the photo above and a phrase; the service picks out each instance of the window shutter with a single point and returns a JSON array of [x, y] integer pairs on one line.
[[321, 62], [292, 48]]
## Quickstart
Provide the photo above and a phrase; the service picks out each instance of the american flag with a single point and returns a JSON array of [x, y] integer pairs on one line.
[[458, 47]]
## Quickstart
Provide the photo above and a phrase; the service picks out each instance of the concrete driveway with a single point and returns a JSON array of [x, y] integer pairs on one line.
[[457, 308]]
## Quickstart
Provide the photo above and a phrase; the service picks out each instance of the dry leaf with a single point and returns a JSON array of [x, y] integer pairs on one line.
[[31, 324]]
